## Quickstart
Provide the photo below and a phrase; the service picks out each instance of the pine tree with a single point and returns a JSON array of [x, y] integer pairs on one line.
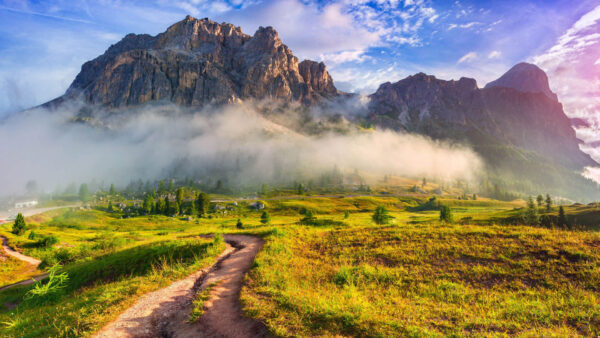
[[446, 214], [346, 214], [548, 203], [381, 215], [110, 206], [203, 204], [531, 213], [148, 204], [265, 218], [179, 196], [112, 190], [562, 218], [160, 206], [84, 194], [161, 186], [540, 200], [192, 209], [167, 209], [239, 224], [176, 208], [19, 225], [171, 185]]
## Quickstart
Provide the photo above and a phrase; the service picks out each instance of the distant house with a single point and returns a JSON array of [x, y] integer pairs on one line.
[[26, 204], [257, 206]]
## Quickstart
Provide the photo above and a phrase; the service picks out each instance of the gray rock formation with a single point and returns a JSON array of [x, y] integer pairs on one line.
[[197, 62], [527, 78]]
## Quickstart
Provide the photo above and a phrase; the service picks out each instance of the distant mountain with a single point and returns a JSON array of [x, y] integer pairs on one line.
[[197, 62], [515, 123], [526, 78], [523, 134]]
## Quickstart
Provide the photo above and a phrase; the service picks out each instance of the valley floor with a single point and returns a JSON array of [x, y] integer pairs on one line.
[[341, 275]]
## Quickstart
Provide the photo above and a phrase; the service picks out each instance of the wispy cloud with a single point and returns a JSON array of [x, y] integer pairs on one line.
[[470, 56]]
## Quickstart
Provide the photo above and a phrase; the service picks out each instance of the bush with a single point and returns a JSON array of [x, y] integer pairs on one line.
[[446, 214], [381, 216], [47, 241]]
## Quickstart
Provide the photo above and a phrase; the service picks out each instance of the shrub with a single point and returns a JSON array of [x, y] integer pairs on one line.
[[47, 241], [446, 214], [381, 216]]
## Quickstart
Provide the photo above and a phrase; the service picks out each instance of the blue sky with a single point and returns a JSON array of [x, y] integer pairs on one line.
[[363, 43]]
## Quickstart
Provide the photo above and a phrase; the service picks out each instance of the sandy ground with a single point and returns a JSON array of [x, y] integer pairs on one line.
[[165, 313]]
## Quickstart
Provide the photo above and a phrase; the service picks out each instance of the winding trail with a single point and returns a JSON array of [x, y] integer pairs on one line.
[[165, 312], [30, 260]]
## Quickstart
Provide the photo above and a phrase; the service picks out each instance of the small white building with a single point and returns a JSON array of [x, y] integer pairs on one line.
[[26, 204]]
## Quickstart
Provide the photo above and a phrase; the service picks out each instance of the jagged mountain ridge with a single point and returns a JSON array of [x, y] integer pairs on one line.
[[439, 108], [198, 62], [514, 123]]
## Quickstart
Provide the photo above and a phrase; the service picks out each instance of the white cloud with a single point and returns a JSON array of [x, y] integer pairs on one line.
[[333, 59], [468, 57], [494, 54]]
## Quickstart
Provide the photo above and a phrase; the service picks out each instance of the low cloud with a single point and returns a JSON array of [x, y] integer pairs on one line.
[[164, 141]]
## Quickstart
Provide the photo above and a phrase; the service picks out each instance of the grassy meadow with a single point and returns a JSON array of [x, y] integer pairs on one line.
[[340, 275]]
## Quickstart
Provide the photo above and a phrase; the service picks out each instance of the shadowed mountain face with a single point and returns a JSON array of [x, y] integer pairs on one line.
[[196, 62], [457, 109], [526, 78]]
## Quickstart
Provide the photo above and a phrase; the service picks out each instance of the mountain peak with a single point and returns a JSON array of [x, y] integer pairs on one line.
[[198, 62], [525, 77]]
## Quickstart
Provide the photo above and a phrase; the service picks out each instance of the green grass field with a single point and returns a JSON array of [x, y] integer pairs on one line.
[[414, 276]]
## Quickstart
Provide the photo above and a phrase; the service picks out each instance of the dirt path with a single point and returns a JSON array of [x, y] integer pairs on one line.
[[9, 251], [165, 313]]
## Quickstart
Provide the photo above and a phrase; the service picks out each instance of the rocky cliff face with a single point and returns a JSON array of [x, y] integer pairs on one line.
[[197, 62], [526, 78], [460, 110]]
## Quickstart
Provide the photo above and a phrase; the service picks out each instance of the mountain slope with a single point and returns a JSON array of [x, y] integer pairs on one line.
[[198, 62], [521, 135]]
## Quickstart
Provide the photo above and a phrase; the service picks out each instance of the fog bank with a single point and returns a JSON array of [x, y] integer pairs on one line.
[[232, 141]]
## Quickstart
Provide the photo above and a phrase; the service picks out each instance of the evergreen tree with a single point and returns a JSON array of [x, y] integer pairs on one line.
[[112, 190], [192, 209], [381, 215], [161, 186], [239, 224], [203, 204], [446, 214], [346, 214], [300, 189], [548, 203], [179, 196], [265, 218], [167, 209], [148, 204], [474, 197], [540, 200], [424, 183], [19, 225], [562, 218], [110, 206], [84, 194], [264, 189], [176, 208], [531, 213], [171, 185], [160, 207], [31, 235]]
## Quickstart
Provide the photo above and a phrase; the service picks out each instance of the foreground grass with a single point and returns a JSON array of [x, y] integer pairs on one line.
[[13, 270], [427, 280], [99, 289]]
